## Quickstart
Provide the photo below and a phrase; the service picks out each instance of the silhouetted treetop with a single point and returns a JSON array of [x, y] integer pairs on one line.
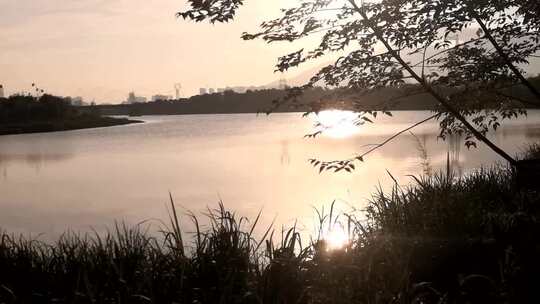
[[211, 10], [464, 53]]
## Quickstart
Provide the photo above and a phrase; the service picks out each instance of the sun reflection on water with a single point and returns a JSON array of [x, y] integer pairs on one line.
[[336, 123]]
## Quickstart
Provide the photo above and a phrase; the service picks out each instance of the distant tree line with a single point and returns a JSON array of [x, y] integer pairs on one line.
[[29, 113], [404, 97], [25, 108]]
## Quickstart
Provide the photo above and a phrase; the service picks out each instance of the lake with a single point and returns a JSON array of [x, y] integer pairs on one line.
[[84, 179]]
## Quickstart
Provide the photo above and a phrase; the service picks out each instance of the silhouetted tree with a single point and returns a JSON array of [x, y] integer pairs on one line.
[[212, 10], [25, 108], [377, 41]]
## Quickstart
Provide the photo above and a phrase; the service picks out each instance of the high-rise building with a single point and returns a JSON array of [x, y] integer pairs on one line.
[[132, 98], [160, 97], [203, 91], [211, 90], [141, 99], [1, 91], [177, 89], [283, 84]]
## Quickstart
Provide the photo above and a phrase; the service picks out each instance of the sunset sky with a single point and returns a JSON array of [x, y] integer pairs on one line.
[[102, 49]]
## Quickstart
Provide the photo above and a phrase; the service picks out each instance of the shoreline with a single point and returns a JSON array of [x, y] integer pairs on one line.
[[78, 123], [454, 253]]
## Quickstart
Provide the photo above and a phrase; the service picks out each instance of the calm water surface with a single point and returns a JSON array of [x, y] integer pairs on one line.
[[80, 179]]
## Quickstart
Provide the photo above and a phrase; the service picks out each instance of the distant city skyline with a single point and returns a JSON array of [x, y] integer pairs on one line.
[[106, 49]]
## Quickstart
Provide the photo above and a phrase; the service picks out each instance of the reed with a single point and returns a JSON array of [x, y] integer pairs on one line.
[[442, 239]]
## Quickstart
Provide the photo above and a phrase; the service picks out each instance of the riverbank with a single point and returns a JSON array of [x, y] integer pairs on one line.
[[444, 239], [83, 121], [48, 113]]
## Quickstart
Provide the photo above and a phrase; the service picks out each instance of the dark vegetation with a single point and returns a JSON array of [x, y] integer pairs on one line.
[[46, 113], [405, 97], [464, 54], [443, 239]]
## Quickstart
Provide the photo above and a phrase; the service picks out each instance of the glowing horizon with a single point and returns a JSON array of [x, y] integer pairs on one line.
[[104, 49]]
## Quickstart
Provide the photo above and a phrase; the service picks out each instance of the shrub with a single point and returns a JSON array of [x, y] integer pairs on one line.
[[443, 239]]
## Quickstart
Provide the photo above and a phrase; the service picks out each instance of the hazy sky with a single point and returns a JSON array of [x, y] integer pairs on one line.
[[102, 49]]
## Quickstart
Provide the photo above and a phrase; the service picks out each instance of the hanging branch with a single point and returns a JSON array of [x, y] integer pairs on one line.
[[348, 165], [430, 90], [505, 57], [466, 76]]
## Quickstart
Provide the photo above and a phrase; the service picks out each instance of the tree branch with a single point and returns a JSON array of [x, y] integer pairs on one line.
[[504, 56], [430, 90], [446, 50], [377, 146]]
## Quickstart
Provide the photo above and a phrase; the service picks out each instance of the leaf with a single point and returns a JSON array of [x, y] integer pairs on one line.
[[367, 119], [463, 76]]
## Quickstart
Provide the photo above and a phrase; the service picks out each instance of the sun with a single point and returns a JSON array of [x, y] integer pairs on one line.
[[336, 123], [336, 239]]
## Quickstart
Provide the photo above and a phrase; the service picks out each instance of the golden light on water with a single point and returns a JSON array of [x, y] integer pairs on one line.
[[336, 123]]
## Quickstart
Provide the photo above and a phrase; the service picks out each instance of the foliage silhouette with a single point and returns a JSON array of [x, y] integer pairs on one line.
[[40, 112], [445, 238], [466, 78]]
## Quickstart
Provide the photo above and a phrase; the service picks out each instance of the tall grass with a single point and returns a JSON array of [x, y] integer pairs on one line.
[[443, 239], [531, 151]]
